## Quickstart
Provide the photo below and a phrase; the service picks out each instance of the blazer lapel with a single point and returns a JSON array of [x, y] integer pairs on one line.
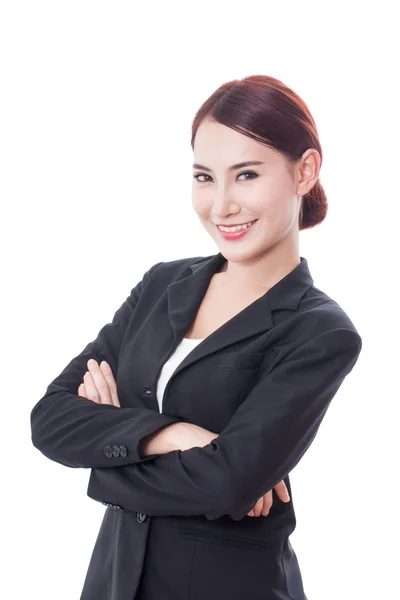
[[174, 312], [185, 297]]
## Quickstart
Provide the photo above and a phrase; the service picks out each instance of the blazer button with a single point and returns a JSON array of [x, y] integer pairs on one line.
[[108, 451], [115, 451], [123, 451], [112, 506], [147, 391], [141, 517]]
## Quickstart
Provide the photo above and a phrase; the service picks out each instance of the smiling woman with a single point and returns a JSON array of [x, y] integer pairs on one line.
[[285, 132], [211, 381]]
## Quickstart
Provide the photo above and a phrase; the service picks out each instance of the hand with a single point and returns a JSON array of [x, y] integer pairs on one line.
[[263, 505], [99, 384]]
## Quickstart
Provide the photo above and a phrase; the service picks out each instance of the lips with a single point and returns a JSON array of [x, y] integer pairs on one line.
[[237, 234], [237, 224]]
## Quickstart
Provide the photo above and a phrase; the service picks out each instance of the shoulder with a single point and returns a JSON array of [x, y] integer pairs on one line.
[[162, 274], [318, 326], [177, 266], [319, 306], [319, 314]]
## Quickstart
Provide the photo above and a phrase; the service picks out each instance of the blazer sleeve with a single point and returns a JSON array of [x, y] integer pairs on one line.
[[77, 432], [264, 440]]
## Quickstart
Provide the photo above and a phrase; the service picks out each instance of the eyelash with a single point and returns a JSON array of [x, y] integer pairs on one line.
[[243, 173]]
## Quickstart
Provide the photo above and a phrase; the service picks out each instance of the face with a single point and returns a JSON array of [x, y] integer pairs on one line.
[[266, 192]]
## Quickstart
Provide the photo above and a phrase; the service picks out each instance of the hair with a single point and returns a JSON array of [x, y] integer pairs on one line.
[[266, 110]]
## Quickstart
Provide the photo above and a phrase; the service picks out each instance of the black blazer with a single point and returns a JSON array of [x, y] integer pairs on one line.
[[176, 524]]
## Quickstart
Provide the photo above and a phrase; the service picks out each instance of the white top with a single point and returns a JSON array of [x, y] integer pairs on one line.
[[182, 350]]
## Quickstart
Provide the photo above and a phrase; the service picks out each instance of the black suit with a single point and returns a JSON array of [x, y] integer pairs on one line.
[[177, 523]]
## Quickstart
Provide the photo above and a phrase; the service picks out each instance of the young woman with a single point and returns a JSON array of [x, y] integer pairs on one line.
[[194, 404]]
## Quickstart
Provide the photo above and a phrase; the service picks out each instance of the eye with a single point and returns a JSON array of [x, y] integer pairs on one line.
[[197, 175], [248, 173]]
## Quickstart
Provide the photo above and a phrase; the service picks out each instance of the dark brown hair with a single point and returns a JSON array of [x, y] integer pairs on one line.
[[266, 110]]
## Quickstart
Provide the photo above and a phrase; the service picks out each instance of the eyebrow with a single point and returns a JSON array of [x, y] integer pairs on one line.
[[233, 167]]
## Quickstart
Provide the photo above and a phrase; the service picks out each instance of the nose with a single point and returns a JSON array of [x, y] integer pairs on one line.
[[224, 204]]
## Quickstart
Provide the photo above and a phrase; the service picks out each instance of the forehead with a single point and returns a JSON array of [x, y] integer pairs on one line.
[[218, 143]]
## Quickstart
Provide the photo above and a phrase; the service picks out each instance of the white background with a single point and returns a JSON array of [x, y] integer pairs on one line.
[[97, 100]]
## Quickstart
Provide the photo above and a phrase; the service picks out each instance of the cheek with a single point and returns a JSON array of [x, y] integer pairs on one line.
[[276, 205], [270, 207], [201, 206], [196, 203], [280, 219]]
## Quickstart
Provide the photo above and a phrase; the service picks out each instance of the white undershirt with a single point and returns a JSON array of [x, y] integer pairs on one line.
[[182, 350]]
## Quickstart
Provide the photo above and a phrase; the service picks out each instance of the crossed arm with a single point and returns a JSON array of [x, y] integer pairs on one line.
[[264, 440], [100, 387]]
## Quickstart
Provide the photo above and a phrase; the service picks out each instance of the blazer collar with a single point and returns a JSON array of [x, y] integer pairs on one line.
[[186, 294], [286, 293]]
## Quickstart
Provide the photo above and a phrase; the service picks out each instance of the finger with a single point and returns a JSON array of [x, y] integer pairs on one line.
[[282, 491], [99, 382], [258, 507], [90, 387], [82, 391], [268, 500], [251, 513], [109, 377]]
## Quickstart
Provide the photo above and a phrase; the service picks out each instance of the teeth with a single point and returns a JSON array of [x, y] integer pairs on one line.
[[236, 228]]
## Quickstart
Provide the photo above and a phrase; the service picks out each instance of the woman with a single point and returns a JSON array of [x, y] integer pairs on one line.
[[193, 405]]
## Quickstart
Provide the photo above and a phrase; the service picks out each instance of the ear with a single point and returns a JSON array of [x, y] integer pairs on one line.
[[308, 171]]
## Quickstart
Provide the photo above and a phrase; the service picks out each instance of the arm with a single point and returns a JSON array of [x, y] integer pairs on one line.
[[76, 432], [264, 440]]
